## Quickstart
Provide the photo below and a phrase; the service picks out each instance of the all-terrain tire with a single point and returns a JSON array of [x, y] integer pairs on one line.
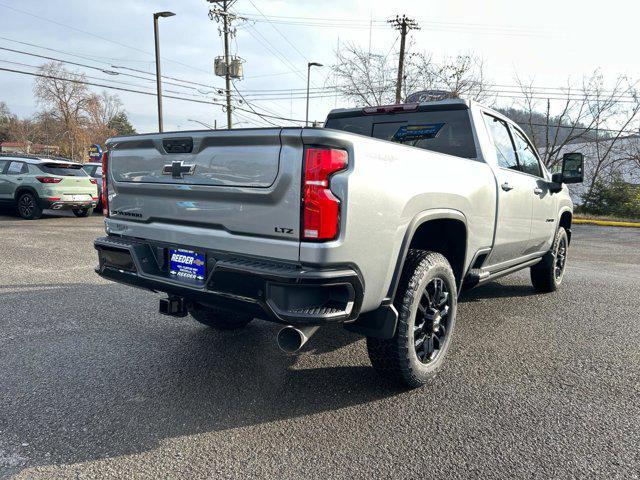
[[218, 318], [29, 207], [547, 275], [397, 358]]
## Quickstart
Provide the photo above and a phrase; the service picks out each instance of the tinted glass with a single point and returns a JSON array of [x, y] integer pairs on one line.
[[528, 160], [16, 168], [502, 142], [90, 169], [3, 164], [447, 131], [65, 170]]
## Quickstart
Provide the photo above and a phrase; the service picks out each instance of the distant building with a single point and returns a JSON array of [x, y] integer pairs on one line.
[[29, 147]]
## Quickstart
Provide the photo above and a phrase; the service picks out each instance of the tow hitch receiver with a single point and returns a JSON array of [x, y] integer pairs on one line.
[[173, 306]]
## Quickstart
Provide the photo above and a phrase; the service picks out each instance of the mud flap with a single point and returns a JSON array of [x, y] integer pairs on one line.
[[380, 323]]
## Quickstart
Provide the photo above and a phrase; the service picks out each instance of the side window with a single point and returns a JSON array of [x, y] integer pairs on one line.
[[3, 164], [505, 152], [528, 159], [16, 168]]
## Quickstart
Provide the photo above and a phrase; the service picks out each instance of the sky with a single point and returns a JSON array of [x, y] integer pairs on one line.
[[547, 42]]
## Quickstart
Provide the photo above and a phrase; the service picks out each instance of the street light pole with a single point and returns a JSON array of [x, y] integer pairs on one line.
[[158, 77], [309, 65]]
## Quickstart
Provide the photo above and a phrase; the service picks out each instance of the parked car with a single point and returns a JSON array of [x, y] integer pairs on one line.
[[94, 170], [33, 184], [376, 222]]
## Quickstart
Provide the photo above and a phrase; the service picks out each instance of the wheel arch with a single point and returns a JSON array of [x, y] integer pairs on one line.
[[565, 219], [24, 189], [443, 231]]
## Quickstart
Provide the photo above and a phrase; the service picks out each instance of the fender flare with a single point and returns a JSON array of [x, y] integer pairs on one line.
[[382, 322], [418, 220], [561, 212], [21, 189]]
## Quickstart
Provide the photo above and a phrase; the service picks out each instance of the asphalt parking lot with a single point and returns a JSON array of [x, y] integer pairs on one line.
[[96, 384]]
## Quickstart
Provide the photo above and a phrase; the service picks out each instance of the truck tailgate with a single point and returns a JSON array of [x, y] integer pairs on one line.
[[235, 190]]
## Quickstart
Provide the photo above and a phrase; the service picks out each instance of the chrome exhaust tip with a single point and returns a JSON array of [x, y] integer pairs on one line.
[[292, 339]]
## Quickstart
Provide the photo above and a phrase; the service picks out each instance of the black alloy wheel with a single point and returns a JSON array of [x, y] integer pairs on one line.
[[430, 330], [28, 207], [561, 258]]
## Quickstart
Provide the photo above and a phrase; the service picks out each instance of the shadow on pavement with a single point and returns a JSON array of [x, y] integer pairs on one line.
[[91, 371], [497, 290]]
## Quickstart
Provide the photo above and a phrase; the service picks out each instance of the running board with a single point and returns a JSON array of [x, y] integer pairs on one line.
[[477, 277]]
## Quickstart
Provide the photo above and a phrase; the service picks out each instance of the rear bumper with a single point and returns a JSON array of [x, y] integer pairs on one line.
[[282, 292], [63, 205]]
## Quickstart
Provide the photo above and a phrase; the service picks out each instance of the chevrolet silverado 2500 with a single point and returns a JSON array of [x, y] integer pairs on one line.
[[377, 221]]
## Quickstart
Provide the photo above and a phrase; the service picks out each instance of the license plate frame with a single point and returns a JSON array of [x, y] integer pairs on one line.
[[187, 266]]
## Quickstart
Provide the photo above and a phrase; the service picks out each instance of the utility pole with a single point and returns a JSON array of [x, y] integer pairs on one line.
[[227, 78], [404, 25], [229, 71]]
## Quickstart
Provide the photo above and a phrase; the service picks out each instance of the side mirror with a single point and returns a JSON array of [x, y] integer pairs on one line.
[[572, 168], [555, 185]]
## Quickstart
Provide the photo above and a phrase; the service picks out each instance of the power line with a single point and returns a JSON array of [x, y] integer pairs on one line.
[[279, 32], [22, 72], [454, 27], [33, 45], [247, 103], [539, 91], [108, 72], [553, 92], [106, 39], [283, 59], [239, 108]]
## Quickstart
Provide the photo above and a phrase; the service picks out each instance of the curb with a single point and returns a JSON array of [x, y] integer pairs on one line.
[[606, 223]]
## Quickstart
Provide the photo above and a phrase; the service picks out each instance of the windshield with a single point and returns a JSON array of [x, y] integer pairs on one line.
[[66, 170], [444, 131]]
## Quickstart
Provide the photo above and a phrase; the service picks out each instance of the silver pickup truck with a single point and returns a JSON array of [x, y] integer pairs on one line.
[[377, 222]]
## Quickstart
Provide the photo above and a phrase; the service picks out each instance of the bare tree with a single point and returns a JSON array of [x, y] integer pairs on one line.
[[370, 79], [67, 100], [101, 110], [5, 120], [462, 76], [24, 132], [590, 113], [73, 117]]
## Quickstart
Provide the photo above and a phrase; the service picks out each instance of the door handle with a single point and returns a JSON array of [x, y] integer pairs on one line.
[[538, 191], [506, 187]]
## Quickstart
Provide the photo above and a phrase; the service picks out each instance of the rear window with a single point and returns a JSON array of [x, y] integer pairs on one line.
[[62, 169], [444, 131], [93, 170]]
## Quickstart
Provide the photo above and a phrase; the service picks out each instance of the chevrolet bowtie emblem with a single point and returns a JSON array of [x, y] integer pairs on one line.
[[178, 170]]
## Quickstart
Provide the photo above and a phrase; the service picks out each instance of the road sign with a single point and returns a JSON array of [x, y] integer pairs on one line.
[[95, 153]]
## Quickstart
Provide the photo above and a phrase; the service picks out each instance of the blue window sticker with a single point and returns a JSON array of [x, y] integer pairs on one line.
[[411, 133]]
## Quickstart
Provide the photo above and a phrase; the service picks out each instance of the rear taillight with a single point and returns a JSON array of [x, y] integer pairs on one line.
[[321, 208], [105, 185], [49, 179], [94, 181]]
